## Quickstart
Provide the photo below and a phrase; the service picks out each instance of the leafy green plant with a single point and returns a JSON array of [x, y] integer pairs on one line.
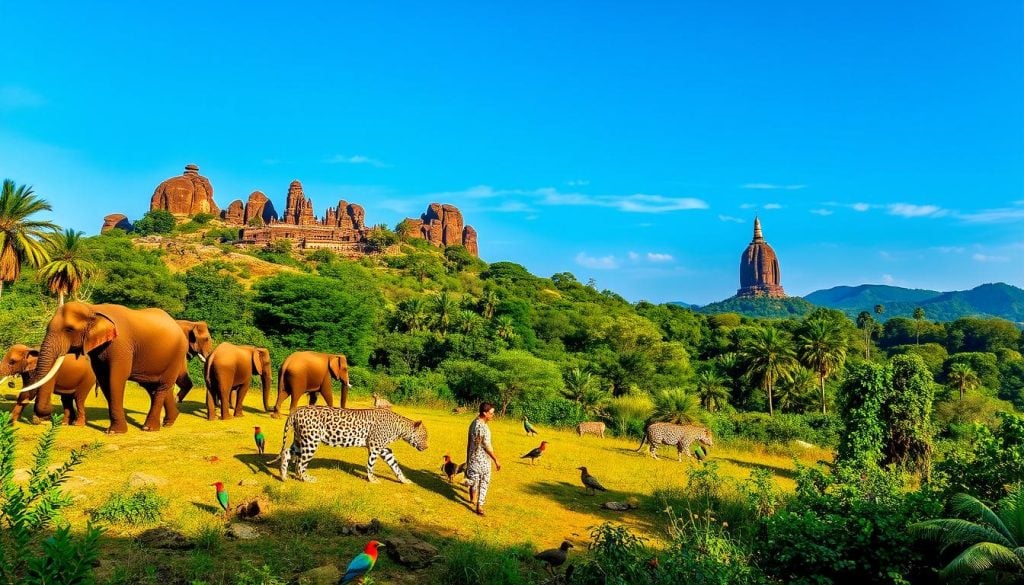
[[704, 552], [615, 557], [157, 221], [26, 557], [131, 506], [477, 563]]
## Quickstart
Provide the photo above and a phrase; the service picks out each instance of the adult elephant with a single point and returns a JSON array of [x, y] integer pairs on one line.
[[229, 369], [310, 371], [200, 345], [145, 346], [72, 383]]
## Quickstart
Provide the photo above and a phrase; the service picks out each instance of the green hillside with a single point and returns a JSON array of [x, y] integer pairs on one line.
[[988, 300], [760, 307]]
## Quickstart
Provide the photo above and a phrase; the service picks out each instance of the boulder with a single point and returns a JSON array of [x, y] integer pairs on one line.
[[235, 213], [259, 206], [240, 531], [188, 194], [443, 225], [410, 551], [469, 240], [115, 220], [325, 575]]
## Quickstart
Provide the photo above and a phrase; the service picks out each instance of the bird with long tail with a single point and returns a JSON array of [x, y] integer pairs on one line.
[[222, 495], [590, 482], [362, 564], [528, 427], [261, 440], [535, 454]]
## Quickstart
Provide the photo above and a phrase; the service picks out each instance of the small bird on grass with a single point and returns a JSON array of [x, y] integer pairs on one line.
[[362, 564], [261, 440], [528, 427], [590, 482], [222, 495], [535, 454], [451, 469], [554, 557]]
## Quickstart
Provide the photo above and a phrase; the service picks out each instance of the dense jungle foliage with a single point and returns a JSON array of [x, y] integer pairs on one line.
[[917, 411]]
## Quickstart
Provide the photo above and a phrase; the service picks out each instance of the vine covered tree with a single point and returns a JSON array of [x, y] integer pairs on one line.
[[769, 357], [866, 323], [69, 264], [22, 239]]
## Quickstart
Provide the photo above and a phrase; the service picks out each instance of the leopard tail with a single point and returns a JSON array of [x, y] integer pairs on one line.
[[288, 424]]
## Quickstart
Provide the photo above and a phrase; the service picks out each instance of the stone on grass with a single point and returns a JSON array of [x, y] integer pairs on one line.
[[138, 480], [410, 551], [164, 537], [325, 575], [239, 531]]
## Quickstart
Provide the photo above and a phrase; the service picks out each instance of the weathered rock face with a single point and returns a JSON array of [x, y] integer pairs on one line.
[[235, 213], [189, 194], [759, 269], [442, 225], [298, 208], [115, 220], [259, 206]]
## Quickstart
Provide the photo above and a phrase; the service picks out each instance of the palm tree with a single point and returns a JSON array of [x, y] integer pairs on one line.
[[918, 316], [505, 328], [412, 314], [996, 540], [584, 389], [488, 303], [963, 378], [676, 406], [68, 266], [21, 239], [469, 322], [445, 309], [867, 324], [769, 357], [822, 348], [711, 388], [798, 390]]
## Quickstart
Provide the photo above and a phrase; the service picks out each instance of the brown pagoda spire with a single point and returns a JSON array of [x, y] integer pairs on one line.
[[759, 269]]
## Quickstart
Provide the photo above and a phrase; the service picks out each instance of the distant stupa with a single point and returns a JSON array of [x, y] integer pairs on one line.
[[759, 269]]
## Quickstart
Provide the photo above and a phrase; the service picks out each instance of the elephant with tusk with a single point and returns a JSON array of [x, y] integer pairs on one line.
[[73, 381], [145, 346], [200, 345]]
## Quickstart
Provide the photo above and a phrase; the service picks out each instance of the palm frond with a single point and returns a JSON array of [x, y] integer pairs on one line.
[[949, 532], [981, 557], [973, 508]]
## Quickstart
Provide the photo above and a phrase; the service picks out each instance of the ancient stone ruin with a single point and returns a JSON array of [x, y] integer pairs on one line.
[[342, 229], [759, 269]]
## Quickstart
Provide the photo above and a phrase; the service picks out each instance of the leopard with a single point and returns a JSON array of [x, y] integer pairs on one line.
[[682, 436], [381, 402], [373, 428], [593, 428]]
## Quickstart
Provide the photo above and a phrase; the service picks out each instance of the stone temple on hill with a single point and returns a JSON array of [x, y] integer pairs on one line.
[[759, 269], [342, 229]]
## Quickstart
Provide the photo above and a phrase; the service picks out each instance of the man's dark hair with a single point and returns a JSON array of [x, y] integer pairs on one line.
[[485, 406]]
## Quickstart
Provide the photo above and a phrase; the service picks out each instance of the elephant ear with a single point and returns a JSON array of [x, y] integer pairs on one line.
[[335, 366], [31, 358], [102, 330], [257, 362]]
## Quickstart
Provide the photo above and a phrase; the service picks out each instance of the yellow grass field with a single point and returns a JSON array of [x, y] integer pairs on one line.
[[536, 506]]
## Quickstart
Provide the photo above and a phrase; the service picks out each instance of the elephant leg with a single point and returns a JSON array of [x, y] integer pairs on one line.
[[18, 407], [211, 402], [284, 391], [184, 384], [80, 397], [313, 396], [170, 408], [295, 401], [325, 390], [112, 383], [68, 402], [242, 389], [158, 393]]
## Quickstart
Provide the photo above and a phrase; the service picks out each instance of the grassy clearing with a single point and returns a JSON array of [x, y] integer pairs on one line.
[[530, 507]]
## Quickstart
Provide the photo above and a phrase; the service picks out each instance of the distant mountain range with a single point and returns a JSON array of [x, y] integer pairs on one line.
[[988, 300]]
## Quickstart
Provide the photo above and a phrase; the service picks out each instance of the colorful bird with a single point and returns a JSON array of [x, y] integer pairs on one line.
[[222, 495], [554, 557], [536, 453], [363, 562], [590, 482], [261, 440], [528, 427], [450, 468]]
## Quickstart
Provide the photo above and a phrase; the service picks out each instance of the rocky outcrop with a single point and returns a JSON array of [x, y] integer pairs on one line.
[[115, 220], [188, 194], [259, 206], [235, 213], [298, 209], [442, 225]]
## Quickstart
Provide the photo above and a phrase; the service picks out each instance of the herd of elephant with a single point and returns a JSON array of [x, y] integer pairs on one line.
[[107, 345]]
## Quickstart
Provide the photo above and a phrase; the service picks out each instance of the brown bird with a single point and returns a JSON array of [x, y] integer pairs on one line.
[[590, 482], [554, 557], [451, 469], [535, 454]]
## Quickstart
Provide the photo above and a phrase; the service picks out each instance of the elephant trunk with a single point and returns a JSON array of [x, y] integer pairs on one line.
[[51, 356], [265, 379]]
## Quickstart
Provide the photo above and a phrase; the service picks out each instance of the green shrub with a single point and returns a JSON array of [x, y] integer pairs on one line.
[[989, 462], [703, 551], [616, 557], [557, 412], [131, 506], [629, 413], [476, 563], [157, 221], [423, 389], [26, 557]]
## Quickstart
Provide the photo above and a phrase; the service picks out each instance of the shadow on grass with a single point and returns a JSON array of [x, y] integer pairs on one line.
[[774, 469]]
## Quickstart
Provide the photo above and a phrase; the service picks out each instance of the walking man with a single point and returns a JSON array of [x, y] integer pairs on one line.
[[479, 455]]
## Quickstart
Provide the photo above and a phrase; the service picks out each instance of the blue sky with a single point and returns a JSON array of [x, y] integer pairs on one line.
[[879, 142]]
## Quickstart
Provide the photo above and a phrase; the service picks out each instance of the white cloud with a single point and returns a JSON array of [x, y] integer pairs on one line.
[[1000, 215], [822, 212], [730, 218], [949, 249], [860, 207], [747, 206], [978, 257], [911, 210], [602, 263], [357, 159], [772, 206], [634, 256], [884, 255], [636, 203], [771, 186], [657, 257], [888, 279], [13, 97], [578, 183], [513, 206]]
